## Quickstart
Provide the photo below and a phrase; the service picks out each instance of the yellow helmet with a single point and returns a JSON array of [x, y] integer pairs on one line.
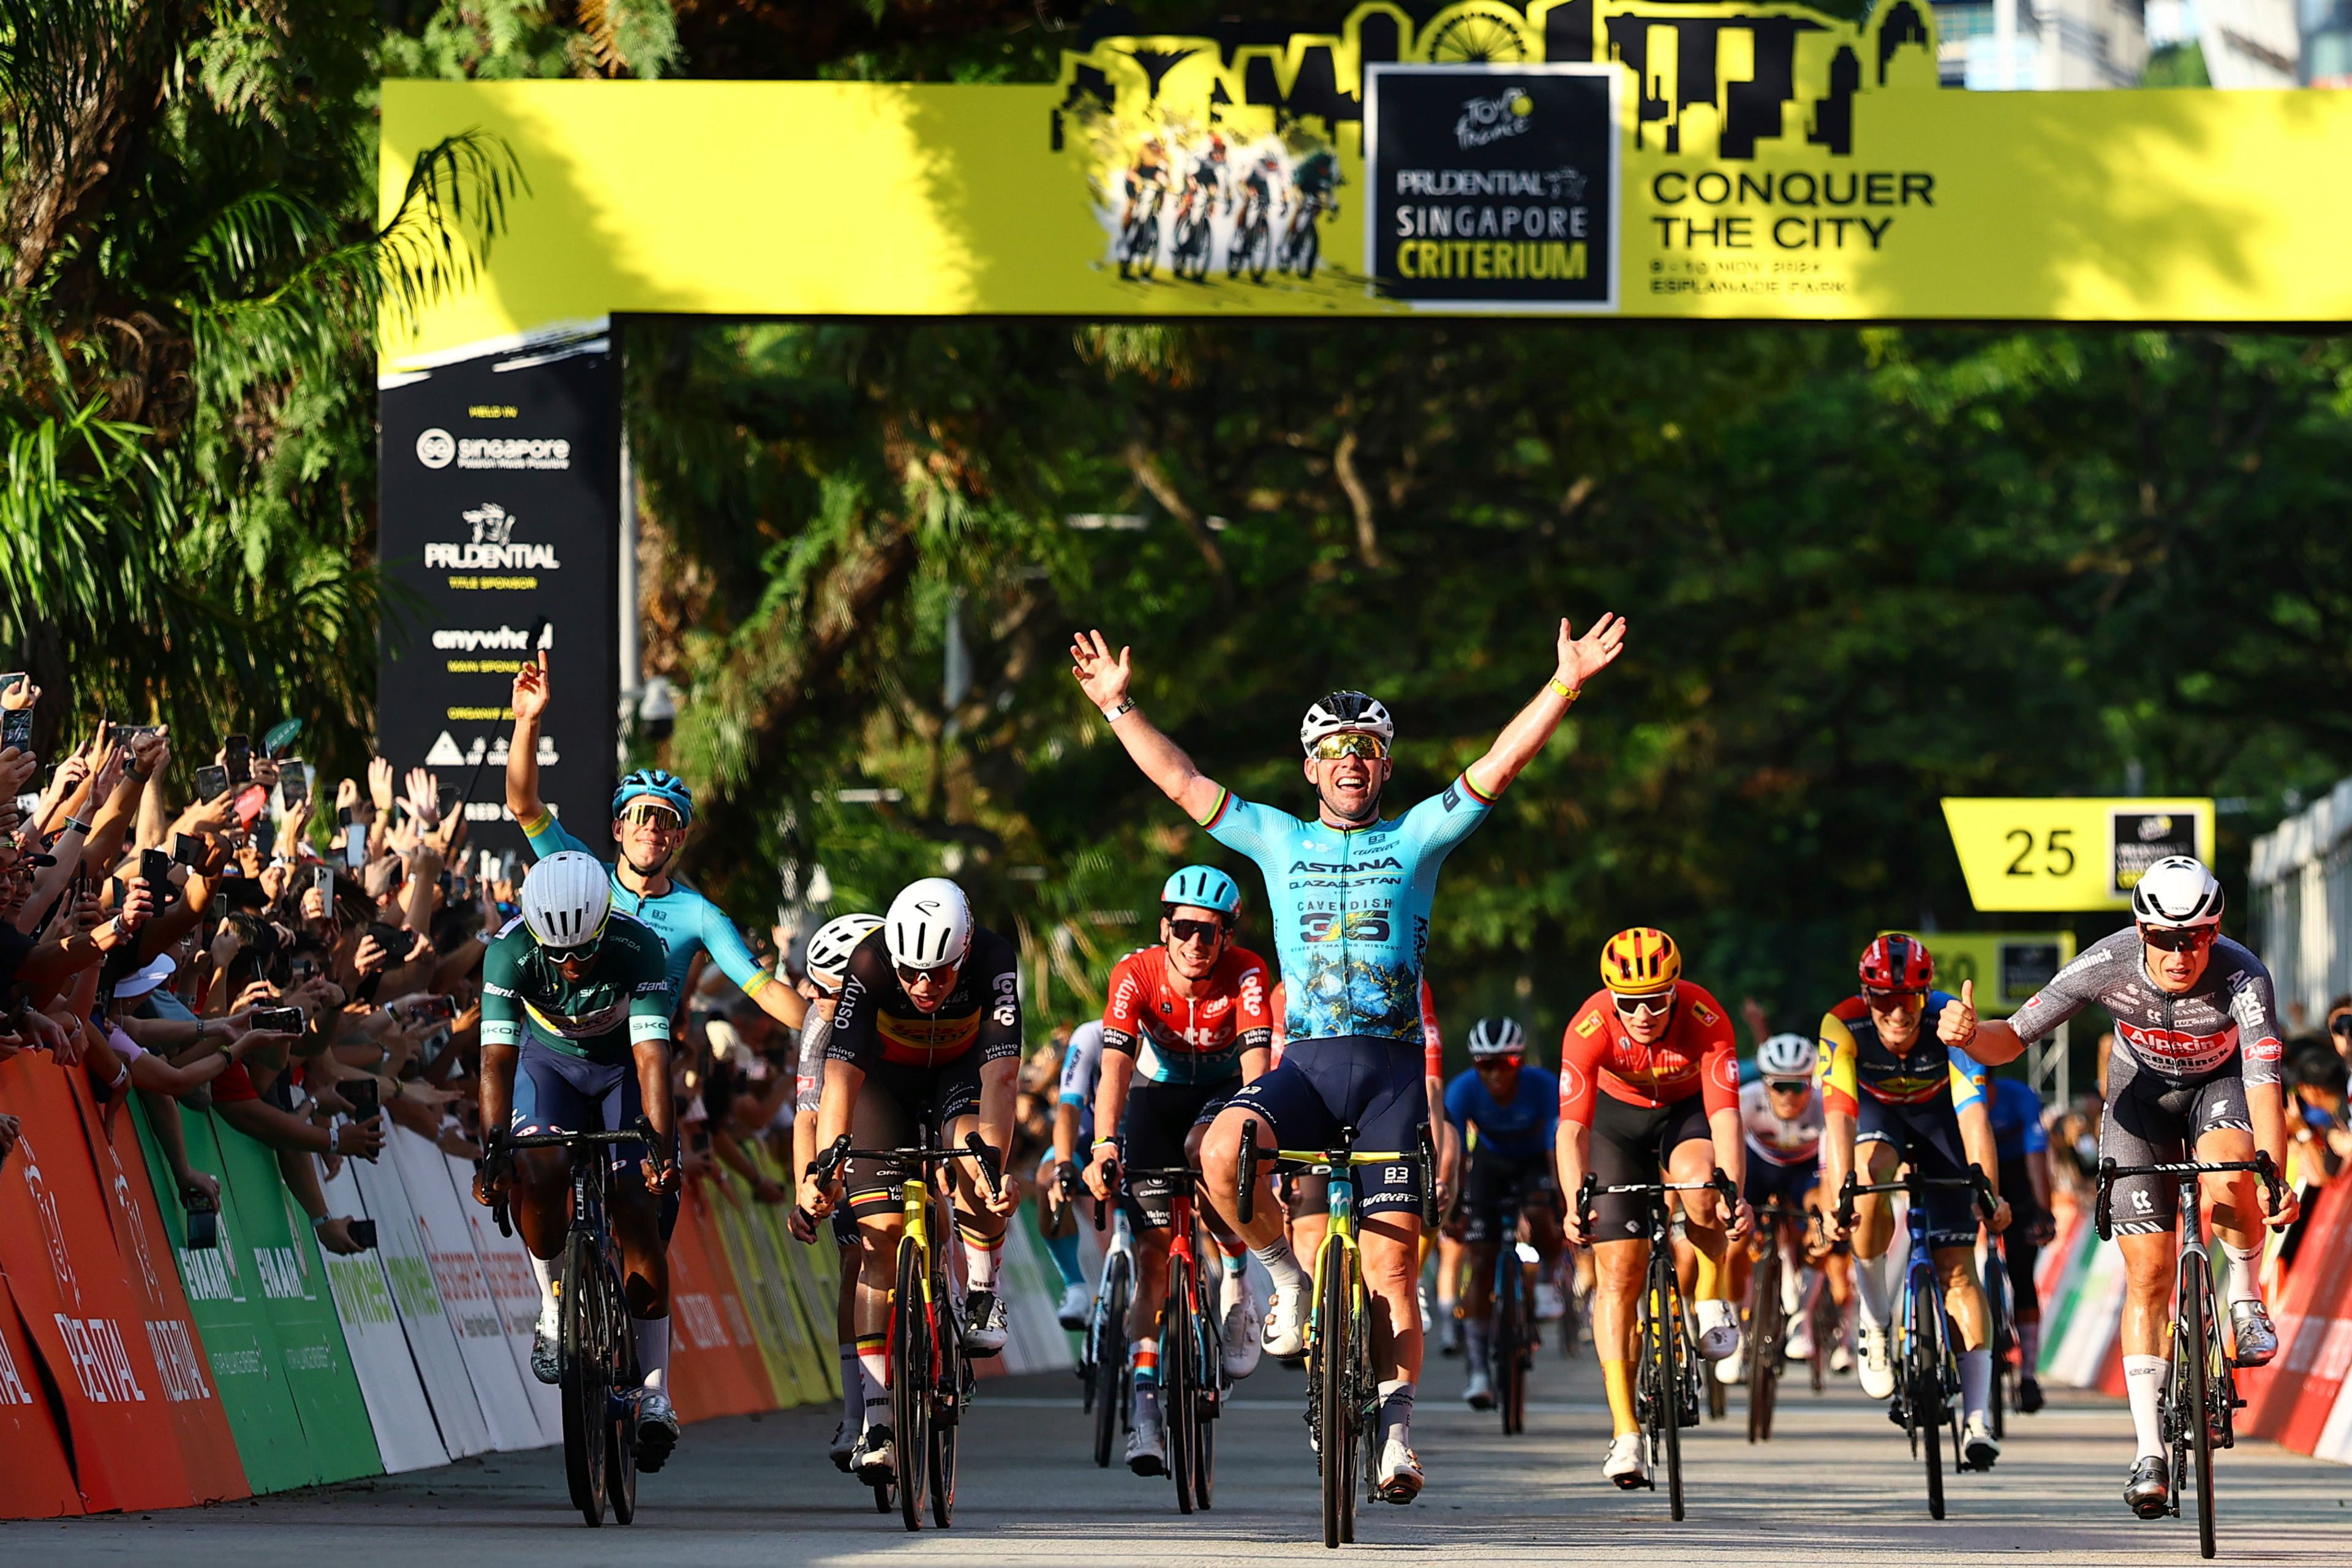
[[1641, 961]]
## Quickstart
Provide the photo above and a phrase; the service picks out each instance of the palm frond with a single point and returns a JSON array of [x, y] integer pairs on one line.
[[453, 209]]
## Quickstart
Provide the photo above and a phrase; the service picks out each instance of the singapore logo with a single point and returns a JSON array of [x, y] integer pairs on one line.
[[436, 448], [1489, 120]]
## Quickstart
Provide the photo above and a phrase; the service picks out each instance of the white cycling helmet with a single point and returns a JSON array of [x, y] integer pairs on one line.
[[1345, 713], [566, 897], [929, 925], [2176, 891], [1785, 1056], [829, 948], [1496, 1037]]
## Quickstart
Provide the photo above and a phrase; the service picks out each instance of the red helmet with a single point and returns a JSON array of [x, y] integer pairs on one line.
[[1898, 963]]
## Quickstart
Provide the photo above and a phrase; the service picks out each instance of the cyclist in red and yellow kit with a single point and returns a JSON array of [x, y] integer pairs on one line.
[[1660, 1053]]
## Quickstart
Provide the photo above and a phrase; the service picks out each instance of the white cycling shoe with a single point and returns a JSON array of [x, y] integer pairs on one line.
[[987, 1325], [844, 1444], [1478, 1393], [1875, 1366], [1628, 1464], [1978, 1445], [1077, 1302], [1240, 1331], [1147, 1443], [1285, 1323], [1801, 1340], [1718, 1331], [546, 1360], [1399, 1479], [656, 1429]]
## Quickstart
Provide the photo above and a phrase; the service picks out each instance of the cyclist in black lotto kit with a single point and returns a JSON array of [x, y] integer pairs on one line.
[[1348, 897], [2194, 1068], [928, 1027]]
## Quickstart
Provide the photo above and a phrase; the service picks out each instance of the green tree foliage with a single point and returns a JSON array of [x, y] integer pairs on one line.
[[1864, 570]]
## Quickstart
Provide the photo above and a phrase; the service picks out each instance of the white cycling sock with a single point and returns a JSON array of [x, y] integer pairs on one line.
[[1793, 1278], [1279, 1262], [1396, 1410], [2029, 1345], [652, 1335], [543, 1270], [2144, 1378], [1870, 1293], [2245, 1273], [1976, 1381], [1474, 1336], [981, 1256], [853, 1392]]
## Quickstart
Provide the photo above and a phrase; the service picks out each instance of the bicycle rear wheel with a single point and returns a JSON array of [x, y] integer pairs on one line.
[[910, 1382], [585, 1342], [1179, 1380], [1110, 1363], [2193, 1360], [1333, 1357], [621, 1450], [951, 1382], [1923, 1372], [1208, 1398]]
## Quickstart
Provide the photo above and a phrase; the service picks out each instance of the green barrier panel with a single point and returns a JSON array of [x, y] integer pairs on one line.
[[815, 1276], [768, 1296], [225, 1300], [277, 1238]]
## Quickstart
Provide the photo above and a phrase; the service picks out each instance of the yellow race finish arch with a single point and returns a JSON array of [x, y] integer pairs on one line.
[[1615, 157]]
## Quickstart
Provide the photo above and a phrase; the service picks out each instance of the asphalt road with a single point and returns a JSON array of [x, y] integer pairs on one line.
[[1835, 1484]]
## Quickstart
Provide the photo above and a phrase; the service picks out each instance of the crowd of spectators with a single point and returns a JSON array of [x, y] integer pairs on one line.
[[305, 972]]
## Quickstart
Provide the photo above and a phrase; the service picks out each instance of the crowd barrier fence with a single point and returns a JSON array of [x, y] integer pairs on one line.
[[137, 1372]]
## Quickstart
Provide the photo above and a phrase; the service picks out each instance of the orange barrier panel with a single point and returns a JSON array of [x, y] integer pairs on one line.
[[714, 1363], [2290, 1400], [208, 1447], [57, 1247], [36, 1481]]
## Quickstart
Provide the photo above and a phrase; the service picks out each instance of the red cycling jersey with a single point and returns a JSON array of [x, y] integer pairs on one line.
[[1177, 1039], [1432, 1038], [1697, 1056]]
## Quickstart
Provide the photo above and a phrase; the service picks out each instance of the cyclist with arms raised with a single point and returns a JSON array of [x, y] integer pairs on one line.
[[1898, 1089], [651, 811], [2195, 1067], [928, 1030], [1649, 1092], [1514, 1109], [1185, 1025], [1349, 897], [575, 1038]]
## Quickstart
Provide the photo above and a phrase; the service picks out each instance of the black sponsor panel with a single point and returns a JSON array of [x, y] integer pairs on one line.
[[1494, 185], [2025, 968], [2141, 838], [501, 508]]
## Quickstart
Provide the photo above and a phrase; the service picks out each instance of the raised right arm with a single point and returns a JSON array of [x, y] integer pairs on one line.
[[1105, 679]]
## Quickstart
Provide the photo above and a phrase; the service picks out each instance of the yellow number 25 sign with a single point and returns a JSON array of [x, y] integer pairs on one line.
[[2070, 854]]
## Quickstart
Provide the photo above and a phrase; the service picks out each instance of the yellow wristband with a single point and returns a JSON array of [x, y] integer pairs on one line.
[[1106, 1143], [1570, 692]]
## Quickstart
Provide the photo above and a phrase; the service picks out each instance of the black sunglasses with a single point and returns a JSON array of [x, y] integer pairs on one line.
[[2178, 939], [1195, 930]]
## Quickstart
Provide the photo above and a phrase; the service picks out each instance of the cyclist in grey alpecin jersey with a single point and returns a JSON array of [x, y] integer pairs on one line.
[[2194, 1074]]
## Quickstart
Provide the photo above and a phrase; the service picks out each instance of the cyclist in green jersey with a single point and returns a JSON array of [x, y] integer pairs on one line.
[[575, 1038]]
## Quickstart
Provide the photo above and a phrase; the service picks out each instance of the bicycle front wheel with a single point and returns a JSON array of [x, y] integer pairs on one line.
[[1336, 1415], [1208, 1397], [910, 1382], [1662, 1305], [1766, 1327], [585, 1342], [1923, 1372], [1110, 1362], [1179, 1380], [1509, 1341], [621, 1445], [950, 1383], [2194, 1362]]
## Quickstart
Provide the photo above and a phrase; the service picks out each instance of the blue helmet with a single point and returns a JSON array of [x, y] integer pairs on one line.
[[659, 783], [1205, 888]]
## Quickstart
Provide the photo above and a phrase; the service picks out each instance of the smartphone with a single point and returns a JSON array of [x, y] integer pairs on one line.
[[293, 784], [282, 1020], [155, 870], [28, 803], [188, 850], [395, 939], [130, 734], [212, 781], [236, 755], [355, 848], [363, 1233], [16, 729], [539, 638], [203, 1227], [366, 1096], [435, 1007], [322, 878]]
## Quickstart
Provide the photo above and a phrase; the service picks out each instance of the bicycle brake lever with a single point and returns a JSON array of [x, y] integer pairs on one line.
[[986, 1156]]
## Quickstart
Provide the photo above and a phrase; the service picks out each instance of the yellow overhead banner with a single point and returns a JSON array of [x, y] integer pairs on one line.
[[1636, 158], [2082, 853]]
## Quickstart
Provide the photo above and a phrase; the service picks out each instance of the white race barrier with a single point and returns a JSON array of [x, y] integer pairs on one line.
[[424, 1317], [407, 1437], [448, 1236], [506, 1266]]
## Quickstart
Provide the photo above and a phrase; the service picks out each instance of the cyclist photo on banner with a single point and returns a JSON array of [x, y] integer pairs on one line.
[[926, 1034], [2194, 1074], [1349, 895], [575, 1038]]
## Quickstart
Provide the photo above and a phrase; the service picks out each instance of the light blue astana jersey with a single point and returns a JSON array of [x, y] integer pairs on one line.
[[1349, 907], [687, 922]]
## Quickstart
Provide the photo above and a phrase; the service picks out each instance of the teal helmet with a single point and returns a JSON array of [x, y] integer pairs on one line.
[[1204, 888], [661, 784]]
